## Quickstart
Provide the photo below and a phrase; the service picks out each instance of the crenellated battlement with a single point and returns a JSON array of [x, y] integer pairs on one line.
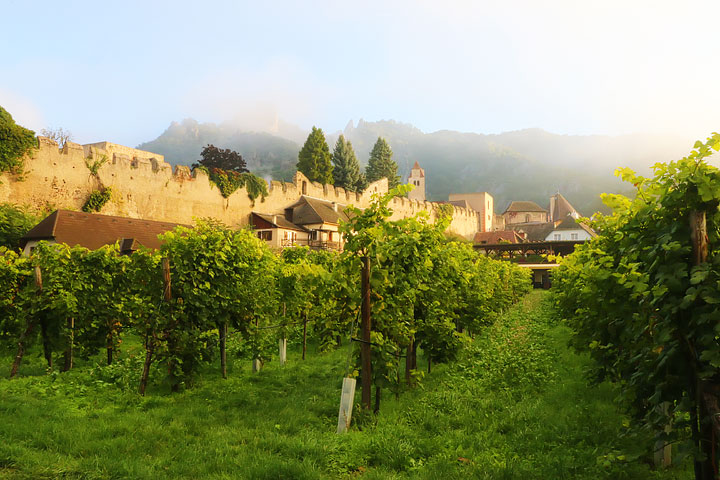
[[144, 185]]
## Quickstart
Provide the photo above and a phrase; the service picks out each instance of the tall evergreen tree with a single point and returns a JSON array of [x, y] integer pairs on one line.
[[346, 168], [381, 164], [314, 158]]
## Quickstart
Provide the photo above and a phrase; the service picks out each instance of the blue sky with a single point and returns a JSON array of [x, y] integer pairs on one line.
[[122, 71]]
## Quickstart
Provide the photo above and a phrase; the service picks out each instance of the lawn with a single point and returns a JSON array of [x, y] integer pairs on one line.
[[516, 406]]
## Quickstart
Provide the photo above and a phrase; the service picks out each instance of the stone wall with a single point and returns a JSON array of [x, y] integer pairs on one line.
[[145, 186]]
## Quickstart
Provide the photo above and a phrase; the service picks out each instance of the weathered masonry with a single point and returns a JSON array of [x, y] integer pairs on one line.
[[145, 186]]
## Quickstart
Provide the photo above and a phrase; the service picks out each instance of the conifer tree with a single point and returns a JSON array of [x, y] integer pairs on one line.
[[314, 158], [381, 164], [346, 168]]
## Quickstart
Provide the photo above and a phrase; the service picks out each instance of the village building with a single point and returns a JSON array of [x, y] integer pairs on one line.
[[481, 202], [525, 212], [570, 229], [92, 231], [308, 222]]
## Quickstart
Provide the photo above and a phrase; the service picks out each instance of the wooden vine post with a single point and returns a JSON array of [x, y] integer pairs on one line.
[[365, 327], [28, 327], [68, 355], [256, 363], [701, 421], [304, 335], [282, 346], [150, 338], [222, 332]]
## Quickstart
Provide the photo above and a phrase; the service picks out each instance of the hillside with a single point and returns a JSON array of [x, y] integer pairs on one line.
[[266, 154], [529, 164]]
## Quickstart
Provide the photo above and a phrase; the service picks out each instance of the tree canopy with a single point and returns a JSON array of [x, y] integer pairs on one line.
[[314, 158], [381, 164], [224, 159], [346, 169]]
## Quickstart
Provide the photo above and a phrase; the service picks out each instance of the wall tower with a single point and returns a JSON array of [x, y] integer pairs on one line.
[[417, 179]]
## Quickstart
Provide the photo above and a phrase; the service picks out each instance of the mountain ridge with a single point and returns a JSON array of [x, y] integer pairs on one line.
[[527, 164]]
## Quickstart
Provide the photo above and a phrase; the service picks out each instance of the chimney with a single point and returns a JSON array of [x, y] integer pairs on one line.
[[274, 220], [334, 206]]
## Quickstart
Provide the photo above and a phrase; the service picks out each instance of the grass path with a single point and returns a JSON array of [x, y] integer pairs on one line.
[[515, 407]]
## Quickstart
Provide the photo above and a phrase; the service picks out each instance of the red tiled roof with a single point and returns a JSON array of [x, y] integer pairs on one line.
[[502, 236], [92, 230], [418, 167]]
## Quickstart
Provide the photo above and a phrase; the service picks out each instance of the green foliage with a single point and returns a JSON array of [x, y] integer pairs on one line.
[[425, 290], [97, 200], [15, 143], [229, 181], [346, 169], [381, 164], [281, 423], [314, 158], [208, 264], [94, 164], [15, 222], [641, 307]]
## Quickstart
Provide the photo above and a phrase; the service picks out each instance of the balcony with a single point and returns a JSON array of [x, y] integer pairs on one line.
[[314, 244]]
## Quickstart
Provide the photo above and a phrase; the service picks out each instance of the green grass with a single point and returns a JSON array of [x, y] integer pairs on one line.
[[515, 407]]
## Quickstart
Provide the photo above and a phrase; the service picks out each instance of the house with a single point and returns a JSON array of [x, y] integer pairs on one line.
[[92, 231], [570, 229], [309, 221], [525, 212], [277, 231]]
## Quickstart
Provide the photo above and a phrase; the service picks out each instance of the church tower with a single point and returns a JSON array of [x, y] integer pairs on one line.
[[417, 179]]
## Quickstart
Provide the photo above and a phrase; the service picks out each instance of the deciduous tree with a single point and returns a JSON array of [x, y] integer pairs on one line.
[[224, 159]]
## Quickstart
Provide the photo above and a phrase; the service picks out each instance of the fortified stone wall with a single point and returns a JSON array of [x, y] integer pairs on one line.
[[145, 186]]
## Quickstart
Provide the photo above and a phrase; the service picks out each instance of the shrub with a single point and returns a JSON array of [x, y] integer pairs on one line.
[[97, 200], [14, 223]]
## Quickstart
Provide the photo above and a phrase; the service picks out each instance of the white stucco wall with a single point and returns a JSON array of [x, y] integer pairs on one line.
[[568, 235]]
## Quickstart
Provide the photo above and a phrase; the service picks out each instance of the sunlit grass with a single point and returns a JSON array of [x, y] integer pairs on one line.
[[466, 421]]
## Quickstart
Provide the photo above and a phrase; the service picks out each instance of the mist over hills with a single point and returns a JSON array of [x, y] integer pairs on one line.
[[529, 164]]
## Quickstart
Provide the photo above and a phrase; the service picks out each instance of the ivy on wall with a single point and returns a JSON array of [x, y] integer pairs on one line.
[[15, 143], [94, 165], [97, 200], [228, 182]]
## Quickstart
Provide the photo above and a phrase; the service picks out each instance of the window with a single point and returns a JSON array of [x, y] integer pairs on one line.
[[556, 236], [573, 236], [265, 235]]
